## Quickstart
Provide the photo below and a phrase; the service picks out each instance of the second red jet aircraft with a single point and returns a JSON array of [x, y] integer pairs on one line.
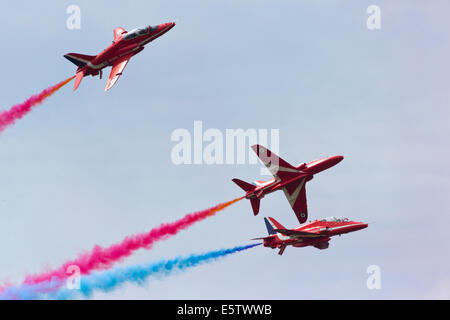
[[288, 178], [316, 233]]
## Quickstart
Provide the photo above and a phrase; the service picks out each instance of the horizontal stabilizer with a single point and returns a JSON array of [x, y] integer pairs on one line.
[[244, 185], [80, 60]]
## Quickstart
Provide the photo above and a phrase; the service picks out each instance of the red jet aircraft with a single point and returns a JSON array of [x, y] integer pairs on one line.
[[125, 45], [288, 178], [316, 233]]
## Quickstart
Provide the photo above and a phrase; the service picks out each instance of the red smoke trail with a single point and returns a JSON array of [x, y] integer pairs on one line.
[[17, 111], [103, 258]]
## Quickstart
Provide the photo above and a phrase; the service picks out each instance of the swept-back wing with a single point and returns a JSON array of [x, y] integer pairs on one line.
[[295, 193], [297, 234], [279, 168], [79, 76], [116, 71]]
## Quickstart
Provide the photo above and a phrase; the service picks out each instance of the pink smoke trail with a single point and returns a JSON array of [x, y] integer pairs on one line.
[[8, 117], [102, 258]]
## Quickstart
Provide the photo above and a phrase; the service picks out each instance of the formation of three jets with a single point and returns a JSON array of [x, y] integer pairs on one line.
[[292, 180]]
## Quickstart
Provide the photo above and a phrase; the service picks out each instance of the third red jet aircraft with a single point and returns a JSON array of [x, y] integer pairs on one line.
[[124, 46], [316, 233], [288, 178]]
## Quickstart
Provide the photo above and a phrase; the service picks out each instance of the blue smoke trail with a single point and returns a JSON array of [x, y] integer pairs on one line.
[[107, 281], [30, 291]]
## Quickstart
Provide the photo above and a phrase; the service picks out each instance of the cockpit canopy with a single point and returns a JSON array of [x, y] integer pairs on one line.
[[138, 32], [334, 219]]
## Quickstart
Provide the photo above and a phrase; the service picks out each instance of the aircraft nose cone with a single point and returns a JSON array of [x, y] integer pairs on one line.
[[332, 161], [169, 25], [361, 226]]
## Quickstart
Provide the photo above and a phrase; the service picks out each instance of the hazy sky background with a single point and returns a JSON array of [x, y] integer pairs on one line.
[[90, 167]]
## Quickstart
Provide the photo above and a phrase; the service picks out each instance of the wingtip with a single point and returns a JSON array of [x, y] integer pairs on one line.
[[259, 149]]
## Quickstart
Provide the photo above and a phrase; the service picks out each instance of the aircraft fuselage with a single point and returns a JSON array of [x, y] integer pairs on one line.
[[122, 46], [323, 231], [306, 170]]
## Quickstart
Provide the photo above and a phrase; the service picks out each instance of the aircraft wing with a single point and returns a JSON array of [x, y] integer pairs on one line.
[[79, 76], [295, 192], [297, 234], [116, 70], [279, 168]]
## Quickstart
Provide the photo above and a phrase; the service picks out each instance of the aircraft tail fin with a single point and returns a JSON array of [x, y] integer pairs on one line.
[[80, 60], [274, 224], [249, 187], [270, 228]]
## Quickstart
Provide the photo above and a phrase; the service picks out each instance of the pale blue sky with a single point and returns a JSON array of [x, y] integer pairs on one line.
[[91, 167]]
